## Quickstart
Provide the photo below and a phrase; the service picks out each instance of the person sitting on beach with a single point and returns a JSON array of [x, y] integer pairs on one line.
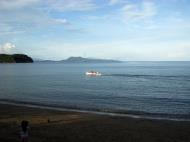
[[24, 131]]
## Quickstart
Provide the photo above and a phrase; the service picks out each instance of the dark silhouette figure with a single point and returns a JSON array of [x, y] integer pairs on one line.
[[48, 120], [24, 131]]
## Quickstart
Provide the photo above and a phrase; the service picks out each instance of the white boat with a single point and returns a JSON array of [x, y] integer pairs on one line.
[[93, 73]]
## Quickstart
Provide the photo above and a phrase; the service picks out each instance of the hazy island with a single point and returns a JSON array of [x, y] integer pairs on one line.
[[15, 58], [82, 60]]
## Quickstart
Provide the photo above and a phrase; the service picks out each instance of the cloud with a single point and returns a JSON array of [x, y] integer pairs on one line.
[[21, 16], [61, 21], [135, 12], [7, 47], [15, 4], [112, 2], [58, 5], [27, 21], [116, 2], [71, 5]]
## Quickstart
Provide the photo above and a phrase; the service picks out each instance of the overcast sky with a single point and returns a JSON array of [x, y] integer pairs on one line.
[[117, 29]]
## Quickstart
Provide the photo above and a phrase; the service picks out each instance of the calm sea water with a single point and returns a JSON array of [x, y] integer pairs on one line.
[[151, 88]]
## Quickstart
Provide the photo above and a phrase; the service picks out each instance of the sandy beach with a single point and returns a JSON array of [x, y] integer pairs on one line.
[[59, 126]]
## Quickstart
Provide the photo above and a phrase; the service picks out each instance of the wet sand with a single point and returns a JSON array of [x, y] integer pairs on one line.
[[64, 126]]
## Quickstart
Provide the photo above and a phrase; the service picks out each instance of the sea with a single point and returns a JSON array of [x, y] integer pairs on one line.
[[157, 90]]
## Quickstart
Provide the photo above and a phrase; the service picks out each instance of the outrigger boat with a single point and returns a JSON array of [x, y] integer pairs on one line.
[[93, 73]]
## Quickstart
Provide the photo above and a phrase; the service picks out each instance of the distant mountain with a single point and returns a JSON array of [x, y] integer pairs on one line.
[[88, 60], [15, 58], [81, 60]]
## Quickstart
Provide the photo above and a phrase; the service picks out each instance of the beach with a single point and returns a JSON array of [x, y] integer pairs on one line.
[[68, 126]]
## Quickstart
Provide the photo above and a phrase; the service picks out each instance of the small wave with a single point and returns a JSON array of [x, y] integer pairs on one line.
[[132, 114]]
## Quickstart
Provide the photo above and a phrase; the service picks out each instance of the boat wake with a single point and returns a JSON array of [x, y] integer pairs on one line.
[[146, 76]]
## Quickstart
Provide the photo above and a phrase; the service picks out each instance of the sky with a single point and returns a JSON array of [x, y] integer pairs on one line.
[[129, 30]]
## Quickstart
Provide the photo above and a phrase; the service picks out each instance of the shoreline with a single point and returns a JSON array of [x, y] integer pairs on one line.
[[69, 126], [96, 112]]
